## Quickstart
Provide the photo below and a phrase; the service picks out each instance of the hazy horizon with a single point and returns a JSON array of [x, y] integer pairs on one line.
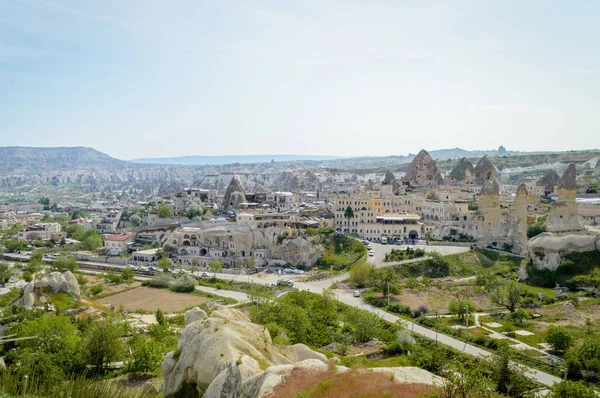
[[197, 78]]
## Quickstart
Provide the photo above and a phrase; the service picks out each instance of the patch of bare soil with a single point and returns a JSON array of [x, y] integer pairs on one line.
[[151, 299]]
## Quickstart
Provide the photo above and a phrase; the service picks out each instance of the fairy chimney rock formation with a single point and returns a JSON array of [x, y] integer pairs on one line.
[[485, 170], [549, 181], [424, 171], [234, 195], [564, 218], [464, 172]]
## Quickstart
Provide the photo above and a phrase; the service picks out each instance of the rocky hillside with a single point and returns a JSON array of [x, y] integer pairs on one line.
[[26, 160]]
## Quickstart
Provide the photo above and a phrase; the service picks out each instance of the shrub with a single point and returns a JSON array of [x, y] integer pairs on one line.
[[184, 284], [559, 338], [96, 289], [160, 281]]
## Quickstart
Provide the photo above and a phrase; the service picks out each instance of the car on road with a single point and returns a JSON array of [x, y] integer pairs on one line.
[[284, 282], [371, 253], [205, 275], [356, 293]]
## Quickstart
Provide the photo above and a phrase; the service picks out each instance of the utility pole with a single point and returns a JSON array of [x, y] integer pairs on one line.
[[388, 294], [467, 329]]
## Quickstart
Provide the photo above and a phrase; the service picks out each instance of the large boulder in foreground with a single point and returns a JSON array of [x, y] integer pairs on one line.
[[56, 282], [547, 250], [225, 341]]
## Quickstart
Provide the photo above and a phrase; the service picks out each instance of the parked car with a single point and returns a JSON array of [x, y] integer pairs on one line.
[[356, 293], [371, 254]]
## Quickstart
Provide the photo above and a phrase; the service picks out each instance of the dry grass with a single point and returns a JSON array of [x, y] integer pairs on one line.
[[414, 299], [354, 383], [151, 299], [109, 288]]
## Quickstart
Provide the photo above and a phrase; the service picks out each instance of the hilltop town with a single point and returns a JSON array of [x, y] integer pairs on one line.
[[506, 252]]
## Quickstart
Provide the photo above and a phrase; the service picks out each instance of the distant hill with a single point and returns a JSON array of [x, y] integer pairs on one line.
[[220, 160], [29, 160]]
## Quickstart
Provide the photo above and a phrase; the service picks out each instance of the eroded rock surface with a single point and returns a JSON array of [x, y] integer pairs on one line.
[[57, 282], [226, 341], [423, 170]]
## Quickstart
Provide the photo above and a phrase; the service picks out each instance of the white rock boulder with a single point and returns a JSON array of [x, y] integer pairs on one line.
[[210, 346], [547, 251]]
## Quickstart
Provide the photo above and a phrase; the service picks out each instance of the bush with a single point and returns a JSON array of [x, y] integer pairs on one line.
[[160, 281], [184, 284], [401, 309], [96, 289], [559, 338]]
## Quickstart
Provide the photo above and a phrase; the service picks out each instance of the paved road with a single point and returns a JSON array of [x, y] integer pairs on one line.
[[239, 296]]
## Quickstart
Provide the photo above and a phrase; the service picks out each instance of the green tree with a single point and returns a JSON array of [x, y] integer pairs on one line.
[[146, 356], [63, 264], [365, 325], [361, 273], [5, 273], [216, 266], [571, 389], [508, 295], [508, 378], [194, 209], [164, 211], [559, 338], [349, 213], [93, 242], [164, 263], [160, 317], [135, 220], [128, 275], [459, 307], [53, 350], [102, 341]]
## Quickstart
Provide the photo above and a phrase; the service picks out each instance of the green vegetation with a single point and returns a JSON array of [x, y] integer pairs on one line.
[[180, 284], [316, 320], [396, 255], [559, 338], [577, 270], [64, 263], [341, 252], [535, 229], [164, 211]]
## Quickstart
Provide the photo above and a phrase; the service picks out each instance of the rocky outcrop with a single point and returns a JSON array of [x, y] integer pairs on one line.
[[296, 251], [597, 169], [463, 172], [549, 181], [491, 188], [485, 171], [389, 178], [193, 315], [547, 251], [423, 170], [55, 282], [228, 350], [564, 217], [234, 195]]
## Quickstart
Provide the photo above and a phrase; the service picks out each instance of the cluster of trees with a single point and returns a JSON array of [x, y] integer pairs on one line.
[[341, 252], [399, 255], [57, 347], [90, 239], [316, 320]]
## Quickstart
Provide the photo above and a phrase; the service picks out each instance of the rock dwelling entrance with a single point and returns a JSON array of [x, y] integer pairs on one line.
[[413, 234]]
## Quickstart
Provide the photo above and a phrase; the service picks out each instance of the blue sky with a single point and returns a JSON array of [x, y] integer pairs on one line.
[[146, 78]]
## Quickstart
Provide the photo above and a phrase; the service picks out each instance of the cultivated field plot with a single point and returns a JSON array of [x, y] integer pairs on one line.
[[151, 299], [415, 299]]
